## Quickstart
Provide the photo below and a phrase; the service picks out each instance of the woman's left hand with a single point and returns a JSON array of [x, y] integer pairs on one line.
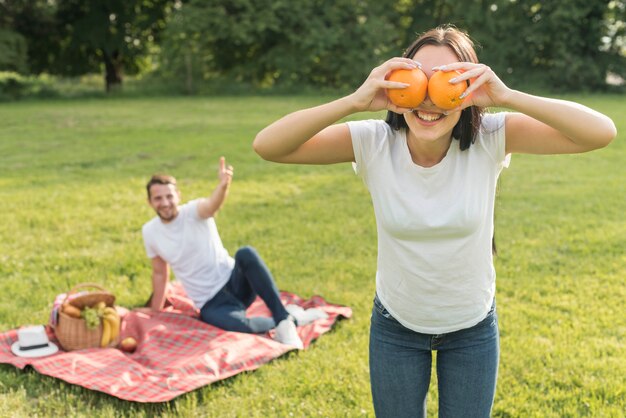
[[485, 89]]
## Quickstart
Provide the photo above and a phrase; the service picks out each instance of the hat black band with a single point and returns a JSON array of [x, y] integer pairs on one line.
[[33, 347]]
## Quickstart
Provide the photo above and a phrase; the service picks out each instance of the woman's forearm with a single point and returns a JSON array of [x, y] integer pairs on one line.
[[287, 134], [582, 125]]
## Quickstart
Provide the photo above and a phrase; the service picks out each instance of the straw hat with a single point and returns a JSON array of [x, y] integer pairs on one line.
[[33, 342]]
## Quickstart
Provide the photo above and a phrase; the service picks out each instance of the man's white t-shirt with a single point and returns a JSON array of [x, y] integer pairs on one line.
[[435, 269], [193, 249]]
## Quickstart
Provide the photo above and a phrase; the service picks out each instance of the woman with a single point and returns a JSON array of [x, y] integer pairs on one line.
[[433, 199]]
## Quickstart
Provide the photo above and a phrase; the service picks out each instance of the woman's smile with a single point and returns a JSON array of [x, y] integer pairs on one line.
[[428, 117]]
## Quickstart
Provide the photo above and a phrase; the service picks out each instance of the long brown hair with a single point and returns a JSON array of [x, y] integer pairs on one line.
[[463, 47]]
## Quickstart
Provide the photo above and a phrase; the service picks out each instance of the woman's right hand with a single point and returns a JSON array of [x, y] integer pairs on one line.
[[371, 96]]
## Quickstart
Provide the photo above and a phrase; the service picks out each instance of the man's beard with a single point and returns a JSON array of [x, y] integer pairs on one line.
[[173, 212]]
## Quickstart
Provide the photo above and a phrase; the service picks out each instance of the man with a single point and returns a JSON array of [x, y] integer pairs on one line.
[[185, 238]]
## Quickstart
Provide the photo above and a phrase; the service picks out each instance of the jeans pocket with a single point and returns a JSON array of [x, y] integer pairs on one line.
[[378, 305], [491, 319]]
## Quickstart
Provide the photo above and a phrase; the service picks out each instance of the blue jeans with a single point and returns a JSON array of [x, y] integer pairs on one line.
[[250, 277], [400, 367]]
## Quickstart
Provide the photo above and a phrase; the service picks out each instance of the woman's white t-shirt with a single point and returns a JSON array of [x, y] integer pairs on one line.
[[435, 269], [194, 250]]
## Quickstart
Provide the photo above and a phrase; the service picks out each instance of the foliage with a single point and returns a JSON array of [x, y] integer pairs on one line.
[[292, 42], [567, 45], [34, 20], [116, 33], [263, 43], [555, 45], [73, 205], [13, 55], [16, 86], [614, 39], [76, 37]]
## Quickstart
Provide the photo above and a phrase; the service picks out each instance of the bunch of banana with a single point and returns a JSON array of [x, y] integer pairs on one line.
[[110, 325], [96, 315]]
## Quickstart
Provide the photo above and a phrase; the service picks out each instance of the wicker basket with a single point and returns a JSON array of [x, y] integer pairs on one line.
[[73, 333]]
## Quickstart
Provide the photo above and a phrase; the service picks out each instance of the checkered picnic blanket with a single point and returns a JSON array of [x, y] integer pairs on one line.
[[177, 353]]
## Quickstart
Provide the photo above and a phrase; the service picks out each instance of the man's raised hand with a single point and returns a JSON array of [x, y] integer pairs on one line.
[[225, 172]]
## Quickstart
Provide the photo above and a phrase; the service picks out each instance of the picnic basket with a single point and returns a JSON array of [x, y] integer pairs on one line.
[[72, 333]]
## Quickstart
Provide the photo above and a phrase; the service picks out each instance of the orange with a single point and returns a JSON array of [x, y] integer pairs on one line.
[[444, 94], [414, 94]]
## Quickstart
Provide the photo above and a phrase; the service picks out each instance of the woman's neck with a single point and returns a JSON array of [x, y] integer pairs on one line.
[[427, 153]]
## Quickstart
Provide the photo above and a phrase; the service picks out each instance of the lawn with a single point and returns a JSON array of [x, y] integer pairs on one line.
[[72, 176]]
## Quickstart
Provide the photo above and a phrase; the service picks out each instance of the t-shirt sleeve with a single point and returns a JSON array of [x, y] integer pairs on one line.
[[492, 138], [365, 140], [190, 210], [147, 242]]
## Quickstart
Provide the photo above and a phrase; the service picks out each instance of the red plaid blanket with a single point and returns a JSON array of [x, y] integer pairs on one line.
[[177, 353]]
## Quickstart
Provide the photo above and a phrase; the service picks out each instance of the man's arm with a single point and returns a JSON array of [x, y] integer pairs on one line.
[[160, 277], [208, 207]]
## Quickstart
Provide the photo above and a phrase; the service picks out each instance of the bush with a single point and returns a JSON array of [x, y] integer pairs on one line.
[[15, 86]]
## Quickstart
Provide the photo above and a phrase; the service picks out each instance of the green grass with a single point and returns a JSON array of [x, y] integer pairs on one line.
[[72, 177]]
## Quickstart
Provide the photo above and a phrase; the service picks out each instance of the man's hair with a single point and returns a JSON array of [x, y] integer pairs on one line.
[[159, 179]]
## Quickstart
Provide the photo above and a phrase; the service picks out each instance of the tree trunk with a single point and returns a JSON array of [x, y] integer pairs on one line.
[[113, 71]]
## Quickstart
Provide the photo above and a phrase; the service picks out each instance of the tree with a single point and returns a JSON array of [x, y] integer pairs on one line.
[[568, 45], [558, 45], [565, 45], [116, 34], [614, 39], [27, 34], [278, 42], [75, 37], [13, 52]]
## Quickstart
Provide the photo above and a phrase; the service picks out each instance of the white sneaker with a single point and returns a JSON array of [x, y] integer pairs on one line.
[[286, 333], [304, 317]]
